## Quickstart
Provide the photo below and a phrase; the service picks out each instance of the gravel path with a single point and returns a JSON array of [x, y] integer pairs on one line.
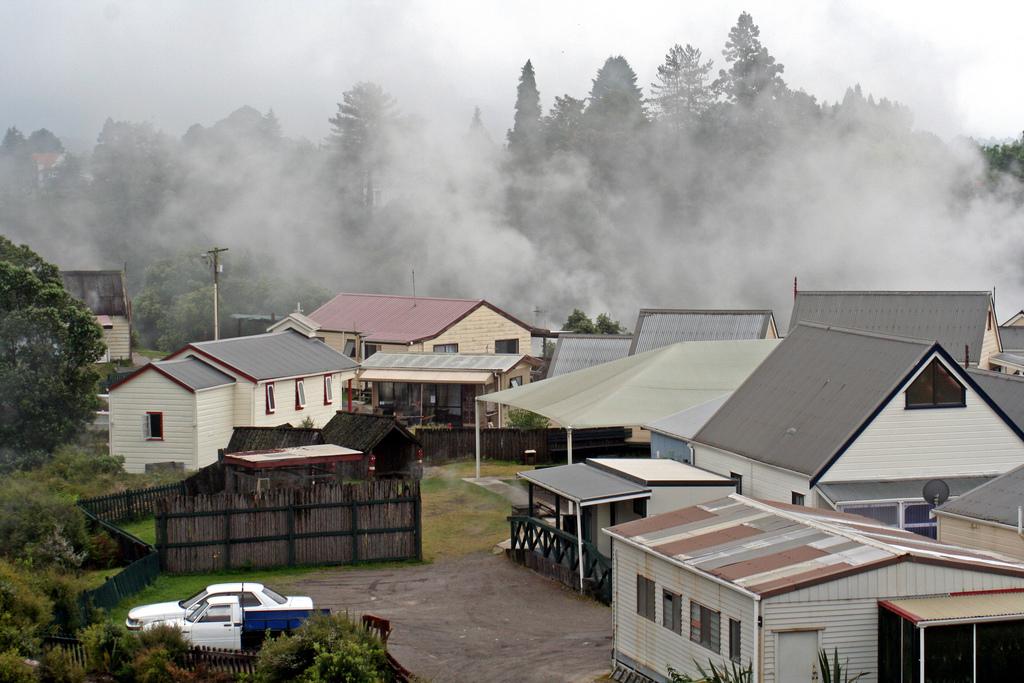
[[475, 618]]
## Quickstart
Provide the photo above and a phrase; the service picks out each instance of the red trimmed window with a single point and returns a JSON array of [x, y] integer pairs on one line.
[[153, 426], [271, 403], [328, 389], [300, 394]]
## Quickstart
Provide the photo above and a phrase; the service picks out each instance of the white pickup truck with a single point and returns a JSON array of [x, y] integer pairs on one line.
[[249, 595], [221, 621]]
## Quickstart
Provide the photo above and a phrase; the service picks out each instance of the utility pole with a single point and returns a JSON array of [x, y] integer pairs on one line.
[[213, 255]]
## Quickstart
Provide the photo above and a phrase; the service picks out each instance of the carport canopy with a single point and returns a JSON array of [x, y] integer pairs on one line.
[[584, 484]]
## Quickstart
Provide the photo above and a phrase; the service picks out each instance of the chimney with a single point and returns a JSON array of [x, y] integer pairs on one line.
[[967, 356], [794, 288]]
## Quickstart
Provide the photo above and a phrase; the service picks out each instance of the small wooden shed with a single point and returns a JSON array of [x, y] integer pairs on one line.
[[260, 471], [392, 448]]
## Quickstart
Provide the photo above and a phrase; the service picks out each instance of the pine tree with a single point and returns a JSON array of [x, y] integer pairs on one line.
[[563, 125], [360, 134], [753, 71], [683, 91], [524, 138], [616, 102]]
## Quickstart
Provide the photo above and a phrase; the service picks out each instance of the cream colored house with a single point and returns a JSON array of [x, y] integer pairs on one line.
[[991, 517], [106, 295], [360, 325], [183, 408]]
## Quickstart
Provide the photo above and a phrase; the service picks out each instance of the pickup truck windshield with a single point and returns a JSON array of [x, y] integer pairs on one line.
[[188, 602], [274, 595]]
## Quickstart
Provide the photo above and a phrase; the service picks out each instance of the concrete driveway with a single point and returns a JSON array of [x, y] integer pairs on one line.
[[475, 618]]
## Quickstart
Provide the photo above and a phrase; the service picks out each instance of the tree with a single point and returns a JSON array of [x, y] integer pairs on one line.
[[580, 322], [48, 342], [616, 103], [17, 169], [753, 72], [605, 325], [525, 136], [360, 133], [564, 124], [42, 141], [683, 91]]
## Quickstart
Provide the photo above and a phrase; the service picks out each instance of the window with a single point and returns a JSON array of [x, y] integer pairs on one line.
[[735, 634], [274, 595], [935, 387], [738, 478], [350, 348], [369, 350], [248, 599], [328, 389], [217, 613], [671, 612], [300, 394], [704, 626], [640, 506], [645, 597], [446, 348], [153, 426], [515, 382], [506, 346], [798, 498], [271, 403]]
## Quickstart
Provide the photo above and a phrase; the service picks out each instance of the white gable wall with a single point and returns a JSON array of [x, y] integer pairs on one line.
[[284, 393], [655, 647], [759, 480], [846, 610], [214, 422], [930, 442], [152, 392]]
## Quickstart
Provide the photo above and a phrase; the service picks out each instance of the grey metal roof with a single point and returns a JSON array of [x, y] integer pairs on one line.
[[445, 361], [1006, 390], [194, 373], [1012, 360], [954, 319], [279, 354], [577, 351], [904, 489], [686, 423], [1012, 337], [996, 501], [815, 390], [656, 328], [584, 483], [103, 291]]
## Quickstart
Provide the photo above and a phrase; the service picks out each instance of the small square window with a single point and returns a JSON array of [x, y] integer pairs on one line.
[[798, 498], [153, 426], [671, 611], [704, 626], [369, 350], [645, 597]]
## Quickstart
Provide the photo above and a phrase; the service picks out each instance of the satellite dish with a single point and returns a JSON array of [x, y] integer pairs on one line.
[[935, 492]]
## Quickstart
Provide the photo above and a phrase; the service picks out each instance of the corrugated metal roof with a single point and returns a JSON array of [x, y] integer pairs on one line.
[[963, 608], [103, 291], [1012, 360], [686, 423], [769, 548], [656, 328], [397, 319], [995, 501], [650, 471], [194, 373], [501, 362], [802, 404], [1006, 390], [1012, 338], [578, 351], [904, 489], [272, 355], [954, 319], [585, 484], [414, 375]]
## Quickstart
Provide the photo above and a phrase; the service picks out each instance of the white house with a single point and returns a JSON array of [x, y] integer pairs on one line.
[[858, 421], [183, 408], [766, 585]]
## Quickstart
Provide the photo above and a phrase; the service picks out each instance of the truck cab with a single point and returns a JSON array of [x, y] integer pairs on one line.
[[216, 622]]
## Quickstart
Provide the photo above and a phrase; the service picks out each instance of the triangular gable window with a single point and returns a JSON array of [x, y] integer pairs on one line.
[[936, 387]]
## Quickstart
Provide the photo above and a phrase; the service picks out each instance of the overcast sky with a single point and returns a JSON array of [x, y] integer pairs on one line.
[[69, 65]]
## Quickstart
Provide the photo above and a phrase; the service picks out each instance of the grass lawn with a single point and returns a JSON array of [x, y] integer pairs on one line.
[[144, 529], [149, 353], [461, 518]]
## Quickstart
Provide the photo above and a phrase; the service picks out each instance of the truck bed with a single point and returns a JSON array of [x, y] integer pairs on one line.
[[255, 619]]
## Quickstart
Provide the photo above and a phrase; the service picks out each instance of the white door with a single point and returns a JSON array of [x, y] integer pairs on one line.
[[797, 656], [215, 629]]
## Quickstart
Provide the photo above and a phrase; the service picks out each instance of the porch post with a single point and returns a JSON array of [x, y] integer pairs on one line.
[[579, 540], [921, 630], [568, 437], [476, 420], [558, 512], [529, 488]]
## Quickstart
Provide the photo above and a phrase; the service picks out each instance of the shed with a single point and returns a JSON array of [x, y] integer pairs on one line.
[[769, 584], [256, 471], [267, 438], [394, 449]]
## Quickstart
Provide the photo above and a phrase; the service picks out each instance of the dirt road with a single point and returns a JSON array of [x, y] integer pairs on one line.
[[476, 618]]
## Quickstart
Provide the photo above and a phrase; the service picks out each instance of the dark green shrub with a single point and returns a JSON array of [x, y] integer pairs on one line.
[[351, 661], [13, 668], [103, 551], [40, 526], [24, 611], [63, 590], [153, 666], [165, 637], [343, 647], [58, 666], [109, 649]]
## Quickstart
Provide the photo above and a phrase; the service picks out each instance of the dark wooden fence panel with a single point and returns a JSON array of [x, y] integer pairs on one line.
[[510, 444], [131, 504], [359, 522]]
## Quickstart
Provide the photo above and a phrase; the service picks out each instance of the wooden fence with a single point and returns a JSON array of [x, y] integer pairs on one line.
[[533, 540], [361, 522], [131, 504], [201, 658], [510, 444]]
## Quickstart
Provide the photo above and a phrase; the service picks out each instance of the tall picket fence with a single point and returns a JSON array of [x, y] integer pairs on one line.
[[332, 524]]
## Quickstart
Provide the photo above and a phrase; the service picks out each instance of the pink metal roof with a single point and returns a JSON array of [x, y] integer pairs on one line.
[[769, 548], [389, 318]]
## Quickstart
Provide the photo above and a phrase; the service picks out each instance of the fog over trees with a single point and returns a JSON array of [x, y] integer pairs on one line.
[[712, 186]]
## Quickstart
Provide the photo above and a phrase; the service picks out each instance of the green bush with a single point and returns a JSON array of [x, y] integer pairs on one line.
[[13, 668], [524, 419], [39, 526], [153, 665], [728, 673], [166, 637], [24, 611], [325, 645], [63, 590], [58, 666], [109, 649], [103, 551]]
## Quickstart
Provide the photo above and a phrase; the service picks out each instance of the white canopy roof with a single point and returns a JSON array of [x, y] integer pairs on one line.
[[640, 389]]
